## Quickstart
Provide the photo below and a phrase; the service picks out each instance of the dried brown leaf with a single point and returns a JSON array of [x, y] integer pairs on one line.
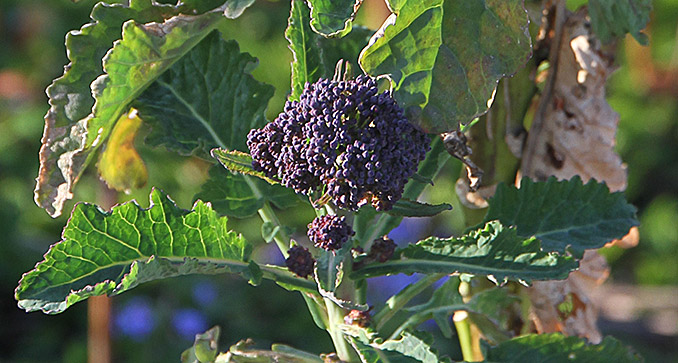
[[565, 306], [573, 132]]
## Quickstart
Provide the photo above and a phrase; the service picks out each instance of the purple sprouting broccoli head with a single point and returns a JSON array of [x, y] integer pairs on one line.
[[345, 137]]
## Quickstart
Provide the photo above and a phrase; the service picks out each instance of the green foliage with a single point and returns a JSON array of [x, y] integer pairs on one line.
[[333, 17], [142, 54], [493, 250], [558, 348], [412, 208], [239, 162], [103, 253], [407, 347], [444, 66], [444, 302], [207, 99], [198, 94], [614, 18], [110, 253], [204, 347], [563, 215], [370, 225], [236, 195], [314, 55]]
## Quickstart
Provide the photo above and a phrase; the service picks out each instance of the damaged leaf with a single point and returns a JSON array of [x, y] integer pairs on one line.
[[120, 165], [77, 125], [573, 132]]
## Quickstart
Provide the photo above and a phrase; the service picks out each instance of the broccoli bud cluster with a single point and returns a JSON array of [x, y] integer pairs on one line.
[[329, 232], [300, 261], [344, 138]]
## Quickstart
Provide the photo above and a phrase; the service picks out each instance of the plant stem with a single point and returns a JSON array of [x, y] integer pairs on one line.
[[281, 238], [341, 345], [460, 319], [398, 301]]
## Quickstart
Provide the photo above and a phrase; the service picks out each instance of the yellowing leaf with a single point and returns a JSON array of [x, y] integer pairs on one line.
[[120, 165]]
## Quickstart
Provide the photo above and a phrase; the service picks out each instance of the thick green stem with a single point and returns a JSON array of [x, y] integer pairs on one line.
[[397, 302], [460, 319], [341, 345]]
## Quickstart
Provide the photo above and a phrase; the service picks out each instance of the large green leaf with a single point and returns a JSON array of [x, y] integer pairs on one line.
[[445, 58], [564, 215], [558, 348], [315, 56], [614, 18], [233, 195], [207, 99], [491, 250], [153, 38], [112, 252], [333, 17]]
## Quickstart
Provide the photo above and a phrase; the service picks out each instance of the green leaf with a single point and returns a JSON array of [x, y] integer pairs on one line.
[[445, 58], [268, 231], [329, 267], [242, 352], [239, 162], [412, 208], [408, 346], [204, 347], [329, 273], [369, 354], [333, 17], [564, 215], [307, 65], [614, 18], [347, 48], [234, 196], [491, 250], [207, 99], [153, 38], [120, 165], [315, 56], [112, 252], [558, 348], [444, 302]]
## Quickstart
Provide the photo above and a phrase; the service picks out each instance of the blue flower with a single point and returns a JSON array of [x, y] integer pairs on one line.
[[205, 293], [189, 322], [135, 319]]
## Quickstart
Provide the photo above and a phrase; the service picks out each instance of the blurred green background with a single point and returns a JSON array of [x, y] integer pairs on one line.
[[155, 322]]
